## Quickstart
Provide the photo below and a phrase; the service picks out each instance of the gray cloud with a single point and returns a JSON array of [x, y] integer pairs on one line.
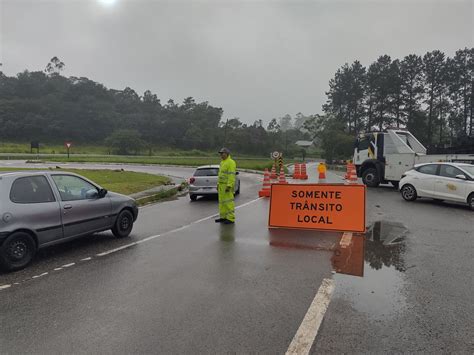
[[255, 59]]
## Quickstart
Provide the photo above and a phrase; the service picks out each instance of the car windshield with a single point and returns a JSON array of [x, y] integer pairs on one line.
[[207, 172], [469, 169]]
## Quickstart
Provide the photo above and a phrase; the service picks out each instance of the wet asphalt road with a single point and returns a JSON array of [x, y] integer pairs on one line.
[[207, 288]]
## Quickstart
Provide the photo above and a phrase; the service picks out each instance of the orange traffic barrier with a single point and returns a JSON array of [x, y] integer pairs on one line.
[[282, 178], [322, 172], [331, 207], [266, 189], [297, 171], [303, 175], [273, 175], [353, 175]]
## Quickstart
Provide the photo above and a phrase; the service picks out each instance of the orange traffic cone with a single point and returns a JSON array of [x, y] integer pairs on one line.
[[273, 175], [266, 189], [353, 175], [348, 171], [303, 175], [282, 178], [322, 172], [297, 172]]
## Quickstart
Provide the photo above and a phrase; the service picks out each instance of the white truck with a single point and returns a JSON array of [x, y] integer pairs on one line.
[[383, 157]]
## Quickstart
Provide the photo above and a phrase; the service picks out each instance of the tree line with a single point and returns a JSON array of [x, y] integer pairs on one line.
[[49, 107], [431, 95]]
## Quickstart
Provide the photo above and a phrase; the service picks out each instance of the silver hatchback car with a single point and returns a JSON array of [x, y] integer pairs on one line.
[[38, 209], [204, 182]]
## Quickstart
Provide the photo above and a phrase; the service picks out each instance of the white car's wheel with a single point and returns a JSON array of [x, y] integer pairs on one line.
[[408, 192], [470, 201]]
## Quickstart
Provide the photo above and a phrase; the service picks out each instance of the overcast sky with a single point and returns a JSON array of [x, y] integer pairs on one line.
[[255, 59]]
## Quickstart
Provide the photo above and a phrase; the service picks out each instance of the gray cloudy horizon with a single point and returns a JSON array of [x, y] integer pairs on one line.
[[255, 59]]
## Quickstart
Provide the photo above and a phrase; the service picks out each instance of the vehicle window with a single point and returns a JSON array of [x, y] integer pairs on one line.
[[450, 171], [207, 172], [428, 169], [72, 188], [32, 189], [469, 169], [364, 144]]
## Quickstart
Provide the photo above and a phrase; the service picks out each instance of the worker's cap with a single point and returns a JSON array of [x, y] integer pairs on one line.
[[224, 150]]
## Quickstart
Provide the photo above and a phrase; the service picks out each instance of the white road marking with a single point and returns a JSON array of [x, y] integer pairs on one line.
[[68, 265], [116, 249], [43, 274], [58, 268], [3, 287], [147, 239], [86, 259], [304, 337]]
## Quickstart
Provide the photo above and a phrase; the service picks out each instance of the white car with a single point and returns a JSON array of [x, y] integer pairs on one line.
[[204, 182], [440, 181]]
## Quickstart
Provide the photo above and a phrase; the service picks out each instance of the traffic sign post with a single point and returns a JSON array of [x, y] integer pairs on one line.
[[68, 146], [326, 207]]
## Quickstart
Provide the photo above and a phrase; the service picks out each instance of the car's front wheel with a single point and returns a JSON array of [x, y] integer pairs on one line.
[[17, 251], [470, 201], [409, 192], [123, 224]]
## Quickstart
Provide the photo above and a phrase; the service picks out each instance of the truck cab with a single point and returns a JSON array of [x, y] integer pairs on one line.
[[382, 157]]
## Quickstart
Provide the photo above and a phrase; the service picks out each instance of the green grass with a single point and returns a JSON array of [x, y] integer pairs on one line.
[[124, 182]]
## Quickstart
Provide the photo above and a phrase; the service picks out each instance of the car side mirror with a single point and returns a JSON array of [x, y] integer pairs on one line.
[[461, 177], [102, 193], [92, 194]]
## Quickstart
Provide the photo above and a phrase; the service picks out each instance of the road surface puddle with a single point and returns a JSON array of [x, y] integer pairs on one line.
[[369, 269]]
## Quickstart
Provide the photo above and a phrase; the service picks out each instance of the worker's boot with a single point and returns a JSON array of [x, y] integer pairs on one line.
[[220, 220]]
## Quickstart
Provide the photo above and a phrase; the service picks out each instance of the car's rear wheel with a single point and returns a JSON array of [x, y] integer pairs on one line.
[[193, 197], [123, 225], [409, 192], [470, 201], [17, 251]]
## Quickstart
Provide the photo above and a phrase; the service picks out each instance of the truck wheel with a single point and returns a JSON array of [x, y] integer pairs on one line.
[[470, 201], [370, 177], [17, 251], [409, 192]]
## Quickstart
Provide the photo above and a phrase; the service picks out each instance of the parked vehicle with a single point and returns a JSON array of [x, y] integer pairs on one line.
[[204, 182], [441, 181], [384, 156], [38, 209]]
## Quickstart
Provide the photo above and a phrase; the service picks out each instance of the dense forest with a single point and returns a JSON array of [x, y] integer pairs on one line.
[[49, 107], [430, 95]]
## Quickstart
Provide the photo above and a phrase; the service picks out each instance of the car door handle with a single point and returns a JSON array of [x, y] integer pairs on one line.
[[67, 207]]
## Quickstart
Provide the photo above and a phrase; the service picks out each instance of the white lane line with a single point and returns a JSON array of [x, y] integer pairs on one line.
[[4, 287], [304, 337], [147, 239], [86, 259], [58, 268], [43, 274], [68, 265], [116, 249]]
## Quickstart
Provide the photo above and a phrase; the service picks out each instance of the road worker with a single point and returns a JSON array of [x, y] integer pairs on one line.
[[225, 188]]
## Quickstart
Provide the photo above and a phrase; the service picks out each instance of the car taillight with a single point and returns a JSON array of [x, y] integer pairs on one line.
[[191, 180]]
